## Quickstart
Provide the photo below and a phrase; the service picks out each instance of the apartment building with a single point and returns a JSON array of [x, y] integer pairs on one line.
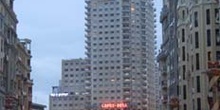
[[72, 92], [14, 63], [24, 82], [121, 48], [197, 35], [7, 28], [168, 55], [198, 39], [119, 71]]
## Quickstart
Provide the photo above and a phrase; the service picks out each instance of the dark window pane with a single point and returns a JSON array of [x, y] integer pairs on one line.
[[197, 62], [183, 35], [208, 37], [218, 55], [196, 19], [196, 40], [217, 37], [198, 84], [207, 16], [199, 104], [184, 92], [183, 54]]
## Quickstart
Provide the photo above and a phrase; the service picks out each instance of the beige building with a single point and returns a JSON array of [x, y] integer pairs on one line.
[[15, 83], [23, 81], [198, 43]]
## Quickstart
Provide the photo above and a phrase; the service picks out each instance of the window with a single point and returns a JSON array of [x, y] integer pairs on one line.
[[183, 35], [209, 56], [199, 104], [184, 107], [196, 19], [216, 15], [198, 88], [207, 16], [183, 14], [217, 55], [197, 61], [217, 37], [208, 37], [178, 91], [184, 72], [196, 40], [184, 92], [183, 54]]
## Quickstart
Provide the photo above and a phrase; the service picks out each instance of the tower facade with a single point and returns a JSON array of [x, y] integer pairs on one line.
[[121, 48]]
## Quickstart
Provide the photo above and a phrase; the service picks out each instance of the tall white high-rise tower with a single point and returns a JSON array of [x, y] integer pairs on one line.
[[121, 50]]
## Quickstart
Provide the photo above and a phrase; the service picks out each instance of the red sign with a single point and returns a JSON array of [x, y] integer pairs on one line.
[[114, 105]]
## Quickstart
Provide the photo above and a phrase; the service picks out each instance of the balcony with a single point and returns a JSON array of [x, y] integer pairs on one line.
[[174, 102], [30, 81], [164, 73], [87, 1], [127, 99], [127, 92], [162, 55], [88, 83], [127, 75], [87, 7], [88, 48], [87, 36], [164, 13], [127, 86], [88, 53], [88, 42], [126, 68], [164, 85], [165, 99], [88, 24], [127, 81], [88, 87], [87, 18], [88, 30]]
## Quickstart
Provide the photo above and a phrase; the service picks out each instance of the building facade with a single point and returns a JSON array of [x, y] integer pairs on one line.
[[120, 47], [8, 23], [24, 82], [71, 94], [198, 39], [157, 87], [14, 61], [168, 55], [119, 71]]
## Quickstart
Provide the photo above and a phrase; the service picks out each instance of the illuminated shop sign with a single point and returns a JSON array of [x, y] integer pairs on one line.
[[114, 105], [59, 94]]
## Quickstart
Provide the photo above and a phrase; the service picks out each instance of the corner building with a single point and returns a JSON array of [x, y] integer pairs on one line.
[[198, 44], [8, 37], [121, 48], [14, 62]]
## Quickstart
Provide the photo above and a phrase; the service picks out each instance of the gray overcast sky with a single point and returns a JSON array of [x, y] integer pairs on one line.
[[57, 32]]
